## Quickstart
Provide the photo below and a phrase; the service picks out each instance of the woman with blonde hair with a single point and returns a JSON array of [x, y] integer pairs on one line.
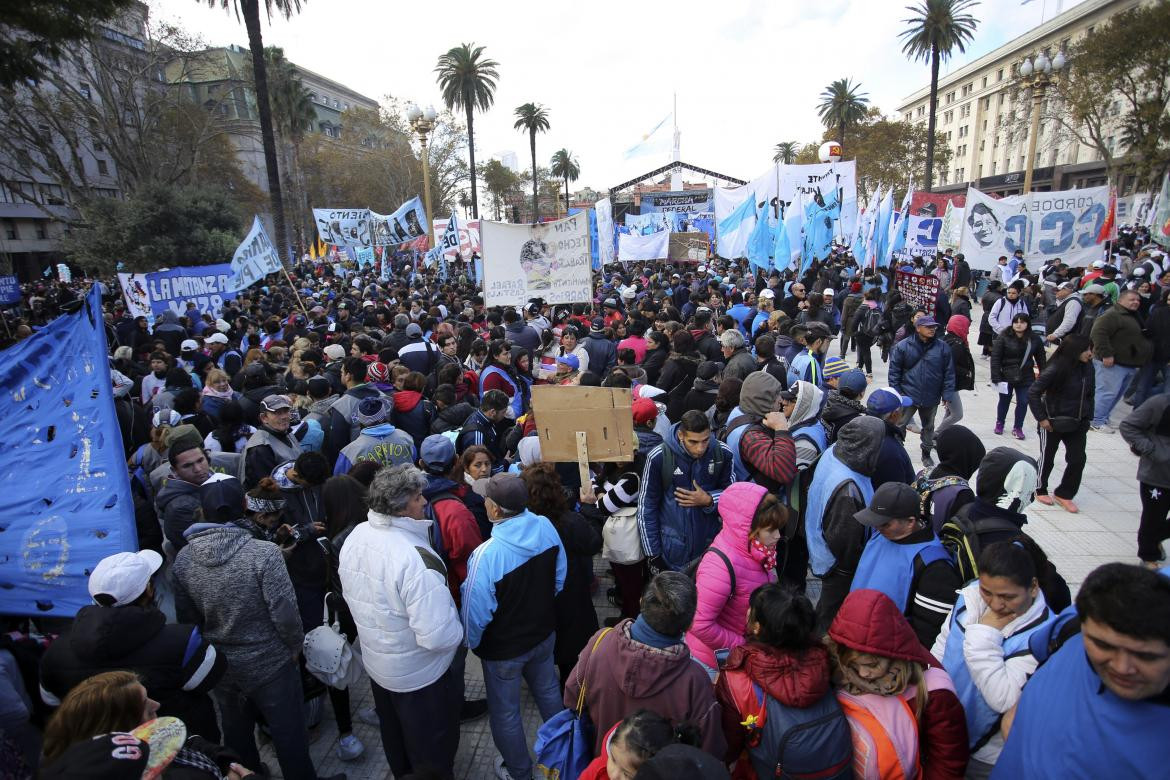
[[106, 702], [217, 391]]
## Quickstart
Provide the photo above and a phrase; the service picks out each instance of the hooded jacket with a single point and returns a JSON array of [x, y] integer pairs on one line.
[[760, 454], [177, 503], [946, 488], [413, 415], [306, 505], [1117, 334], [870, 622], [239, 590], [675, 533], [621, 675], [804, 424], [956, 338], [602, 352], [838, 410], [923, 371], [1147, 432], [1064, 389], [383, 443], [457, 527], [721, 615], [170, 331], [451, 418], [894, 463], [341, 429], [1015, 359]]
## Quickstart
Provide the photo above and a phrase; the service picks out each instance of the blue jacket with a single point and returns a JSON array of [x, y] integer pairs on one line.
[[678, 534], [924, 372], [512, 581]]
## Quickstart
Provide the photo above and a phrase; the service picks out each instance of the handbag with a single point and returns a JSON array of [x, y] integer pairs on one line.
[[329, 656], [564, 744], [621, 543]]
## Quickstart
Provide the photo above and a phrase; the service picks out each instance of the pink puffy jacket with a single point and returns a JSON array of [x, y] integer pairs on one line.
[[721, 616]]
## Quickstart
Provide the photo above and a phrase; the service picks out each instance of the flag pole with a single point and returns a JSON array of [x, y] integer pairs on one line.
[[294, 289]]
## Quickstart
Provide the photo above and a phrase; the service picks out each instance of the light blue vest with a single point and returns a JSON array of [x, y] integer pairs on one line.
[[889, 567], [830, 474], [982, 720], [815, 433], [739, 470]]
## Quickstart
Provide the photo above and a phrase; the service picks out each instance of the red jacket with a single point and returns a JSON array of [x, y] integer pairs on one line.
[[870, 622]]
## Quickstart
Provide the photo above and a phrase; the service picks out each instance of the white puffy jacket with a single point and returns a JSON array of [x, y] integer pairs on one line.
[[407, 623]]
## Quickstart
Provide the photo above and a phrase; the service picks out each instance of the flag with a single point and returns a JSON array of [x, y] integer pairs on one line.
[[794, 224], [736, 229], [1160, 221], [760, 242], [820, 219], [781, 244], [898, 228], [1108, 230], [254, 258], [653, 142]]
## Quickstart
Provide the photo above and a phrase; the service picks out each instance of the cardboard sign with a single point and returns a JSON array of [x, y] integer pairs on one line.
[[601, 413]]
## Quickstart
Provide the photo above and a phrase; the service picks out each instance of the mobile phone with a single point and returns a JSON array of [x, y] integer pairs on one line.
[[721, 656]]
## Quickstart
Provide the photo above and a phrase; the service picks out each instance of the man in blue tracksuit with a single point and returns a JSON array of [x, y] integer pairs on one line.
[[681, 484], [1099, 706], [509, 618], [923, 368]]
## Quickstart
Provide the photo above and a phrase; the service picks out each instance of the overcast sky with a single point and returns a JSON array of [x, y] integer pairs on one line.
[[747, 72]]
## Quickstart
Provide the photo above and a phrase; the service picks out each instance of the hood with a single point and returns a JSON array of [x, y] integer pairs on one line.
[[959, 325], [705, 386], [1007, 479], [280, 476], [959, 452], [322, 406], [737, 507], [168, 320], [528, 450], [643, 671], [522, 534], [103, 634], [870, 622], [838, 407], [859, 443], [795, 680], [647, 440], [758, 394], [214, 545], [457, 413], [379, 431], [173, 488], [437, 485], [808, 403], [405, 400]]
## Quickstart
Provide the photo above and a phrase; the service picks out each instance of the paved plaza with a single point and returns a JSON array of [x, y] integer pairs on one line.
[[1105, 530]]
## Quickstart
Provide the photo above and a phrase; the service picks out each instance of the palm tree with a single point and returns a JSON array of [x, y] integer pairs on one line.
[[842, 105], [564, 166], [786, 152], [937, 28], [534, 118], [250, 11], [468, 82]]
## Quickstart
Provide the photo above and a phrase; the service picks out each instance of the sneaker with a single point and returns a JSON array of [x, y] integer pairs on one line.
[[472, 709], [1018, 433], [1106, 428], [1067, 505], [349, 747], [912, 428], [501, 770], [368, 716], [998, 428], [1044, 499]]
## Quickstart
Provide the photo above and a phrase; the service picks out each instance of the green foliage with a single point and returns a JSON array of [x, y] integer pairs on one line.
[[841, 106], [501, 183], [34, 34], [564, 165], [888, 150], [533, 118], [786, 152], [468, 82], [159, 226]]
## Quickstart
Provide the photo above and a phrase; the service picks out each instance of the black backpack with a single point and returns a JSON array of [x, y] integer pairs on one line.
[[965, 538], [871, 322]]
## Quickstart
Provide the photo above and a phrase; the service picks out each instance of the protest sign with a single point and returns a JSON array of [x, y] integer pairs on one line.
[[407, 223], [917, 290], [254, 259], [365, 256], [343, 227], [9, 289], [174, 288], [605, 231], [137, 298], [601, 413], [550, 260], [1045, 225], [635, 247], [469, 238], [692, 201], [66, 501]]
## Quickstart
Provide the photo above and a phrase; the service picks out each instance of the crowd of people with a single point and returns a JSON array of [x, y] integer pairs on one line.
[[343, 475]]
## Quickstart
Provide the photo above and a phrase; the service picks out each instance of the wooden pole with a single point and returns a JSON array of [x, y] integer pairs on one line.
[[582, 458], [294, 289]]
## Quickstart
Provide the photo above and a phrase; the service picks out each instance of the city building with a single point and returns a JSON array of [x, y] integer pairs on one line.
[[984, 114]]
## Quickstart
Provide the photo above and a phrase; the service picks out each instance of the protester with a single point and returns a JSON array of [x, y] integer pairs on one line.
[[922, 368], [1062, 401], [956, 339], [1147, 432], [946, 488], [1119, 350], [633, 742], [1016, 356]]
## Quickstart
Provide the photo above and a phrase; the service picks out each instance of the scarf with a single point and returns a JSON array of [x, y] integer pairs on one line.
[[640, 631], [892, 683], [226, 395], [765, 556]]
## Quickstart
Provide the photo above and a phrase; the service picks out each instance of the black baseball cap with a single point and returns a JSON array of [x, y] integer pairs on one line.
[[891, 501]]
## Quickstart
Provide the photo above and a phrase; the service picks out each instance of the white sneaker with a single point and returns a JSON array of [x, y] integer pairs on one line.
[[368, 716], [1107, 428], [501, 770], [349, 747]]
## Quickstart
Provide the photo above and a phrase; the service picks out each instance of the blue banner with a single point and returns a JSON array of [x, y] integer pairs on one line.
[[66, 500], [205, 285], [9, 289]]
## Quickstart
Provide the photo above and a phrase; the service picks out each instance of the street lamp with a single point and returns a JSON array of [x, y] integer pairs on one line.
[[1038, 78], [422, 121]]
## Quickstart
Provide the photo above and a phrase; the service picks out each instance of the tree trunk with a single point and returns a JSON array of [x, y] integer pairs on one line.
[[251, 11], [535, 192], [471, 155], [566, 194], [928, 184]]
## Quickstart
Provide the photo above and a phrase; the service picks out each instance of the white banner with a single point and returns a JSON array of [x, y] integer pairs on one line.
[[343, 227], [788, 181], [134, 291], [550, 260], [469, 240], [405, 224], [604, 231], [653, 246], [951, 232], [1046, 225], [1134, 209], [254, 259]]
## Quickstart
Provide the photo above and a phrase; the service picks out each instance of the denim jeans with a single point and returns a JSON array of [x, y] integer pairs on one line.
[[1111, 382], [502, 680], [1020, 390], [1151, 378], [281, 703]]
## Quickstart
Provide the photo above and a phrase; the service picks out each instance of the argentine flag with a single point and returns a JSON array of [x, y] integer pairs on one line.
[[781, 244], [735, 230], [759, 249], [653, 142]]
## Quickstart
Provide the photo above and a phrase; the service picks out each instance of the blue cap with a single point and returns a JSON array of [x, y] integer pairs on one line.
[[437, 451], [885, 400], [572, 361], [853, 379]]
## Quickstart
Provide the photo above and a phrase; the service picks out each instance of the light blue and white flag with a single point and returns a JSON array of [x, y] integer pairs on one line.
[[885, 216], [654, 142], [733, 231], [898, 227], [781, 244], [761, 241], [254, 258]]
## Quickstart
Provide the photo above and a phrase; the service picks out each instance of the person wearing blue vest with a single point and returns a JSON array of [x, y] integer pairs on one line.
[[984, 645], [757, 435], [1099, 706], [808, 364], [906, 561], [801, 403], [840, 488], [499, 374]]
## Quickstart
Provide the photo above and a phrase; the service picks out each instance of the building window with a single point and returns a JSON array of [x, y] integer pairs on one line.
[[983, 144], [948, 117], [980, 171], [994, 165], [963, 131], [966, 90], [942, 176], [984, 84], [98, 146], [921, 110], [965, 111], [999, 75], [103, 167], [950, 97], [10, 230], [42, 232]]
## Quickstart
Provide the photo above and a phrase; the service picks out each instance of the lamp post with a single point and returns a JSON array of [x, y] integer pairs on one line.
[[1038, 78], [423, 122]]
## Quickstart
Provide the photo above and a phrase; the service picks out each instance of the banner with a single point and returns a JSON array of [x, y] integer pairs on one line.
[[254, 259], [66, 500], [344, 227], [1160, 215], [691, 201], [633, 247], [931, 204], [9, 290], [605, 231], [405, 224], [951, 230], [1045, 225], [469, 238], [1134, 209], [137, 298], [550, 260], [205, 285], [919, 291]]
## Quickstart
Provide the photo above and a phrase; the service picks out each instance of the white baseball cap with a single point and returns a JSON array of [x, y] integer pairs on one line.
[[189, 345], [767, 293], [123, 576], [216, 338]]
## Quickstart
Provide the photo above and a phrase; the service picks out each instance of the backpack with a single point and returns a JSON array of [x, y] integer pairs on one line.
[[871, 323], [813, 742], [965, 538], [692, 568], [926, 488], [435, 533]]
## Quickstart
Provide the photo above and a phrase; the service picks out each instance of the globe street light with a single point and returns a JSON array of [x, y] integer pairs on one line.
[[422, 121], [1038, 77]]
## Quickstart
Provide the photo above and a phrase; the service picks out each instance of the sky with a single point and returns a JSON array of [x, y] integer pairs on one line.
[[747, 73]]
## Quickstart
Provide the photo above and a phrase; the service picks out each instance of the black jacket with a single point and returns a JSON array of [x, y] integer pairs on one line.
[[964, 363], [1063, 390], [708, 346], [451, 418], [178, 666], [1013, 358], [576, 617], [602, 353], [677, 379], [652, 365]]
